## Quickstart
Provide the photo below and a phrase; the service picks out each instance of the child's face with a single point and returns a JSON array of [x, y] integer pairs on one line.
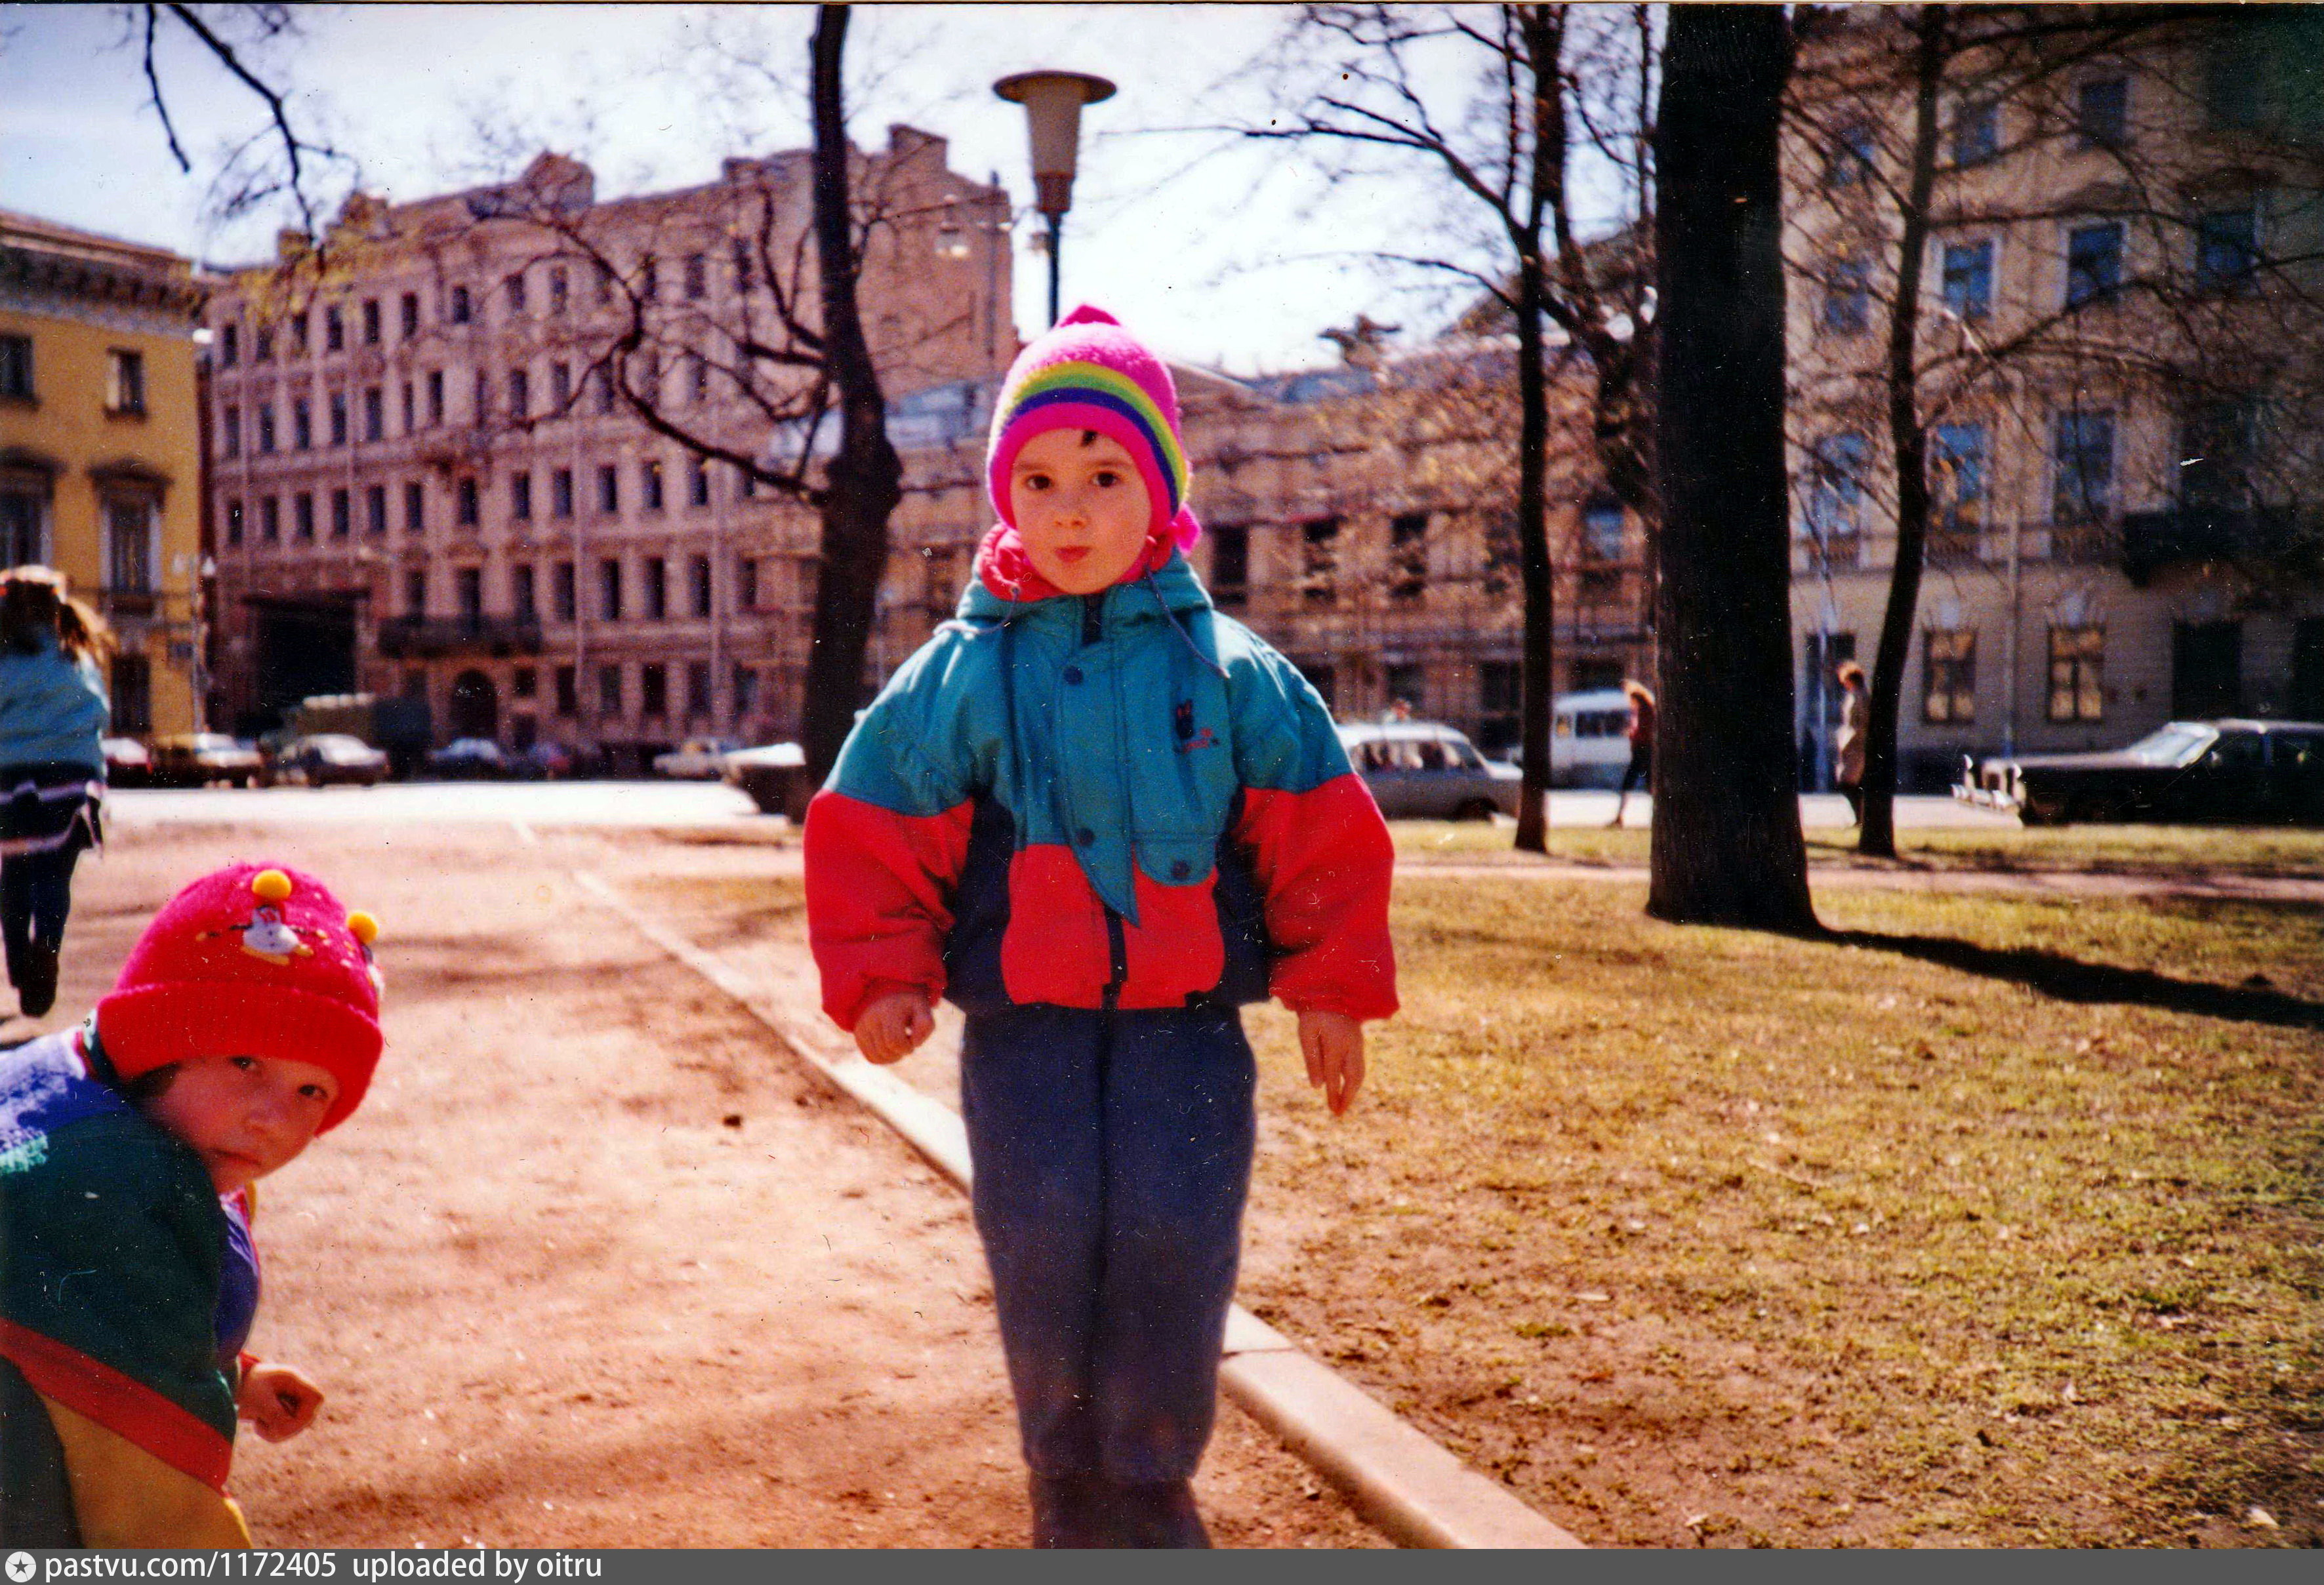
[[1081, 509], [245, 1116]]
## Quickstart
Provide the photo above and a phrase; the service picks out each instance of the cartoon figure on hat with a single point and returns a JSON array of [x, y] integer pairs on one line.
[[365, 930], [266, 935]]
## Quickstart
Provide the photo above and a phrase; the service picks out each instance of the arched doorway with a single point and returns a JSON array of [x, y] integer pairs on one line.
[[475, 706]]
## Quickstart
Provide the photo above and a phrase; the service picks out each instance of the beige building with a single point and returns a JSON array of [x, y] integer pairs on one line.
[[100, 456], [424, 486], [2121, 372]]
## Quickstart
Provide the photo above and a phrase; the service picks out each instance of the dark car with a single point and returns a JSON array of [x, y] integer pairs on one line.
[[330, 759], [127, 762], [198, 758], [767, 774], [2254, 772], [473, 757]]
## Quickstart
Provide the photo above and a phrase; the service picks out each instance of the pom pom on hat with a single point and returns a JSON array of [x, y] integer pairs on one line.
[[1088, 373], [253, 960]]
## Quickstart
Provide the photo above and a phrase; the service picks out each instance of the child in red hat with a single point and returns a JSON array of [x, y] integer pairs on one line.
[[245, 1023]]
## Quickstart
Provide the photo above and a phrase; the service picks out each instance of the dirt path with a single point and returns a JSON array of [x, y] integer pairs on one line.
[[595, 1265]]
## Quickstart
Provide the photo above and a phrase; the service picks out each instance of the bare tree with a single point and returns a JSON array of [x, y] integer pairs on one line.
[[2169, 299], [1727, 843], [1540, 83]]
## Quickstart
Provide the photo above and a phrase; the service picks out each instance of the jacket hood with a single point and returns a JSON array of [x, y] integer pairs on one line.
[[1005, 584]]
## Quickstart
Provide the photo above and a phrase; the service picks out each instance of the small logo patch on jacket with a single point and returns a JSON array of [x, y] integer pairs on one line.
[[1188, 736]]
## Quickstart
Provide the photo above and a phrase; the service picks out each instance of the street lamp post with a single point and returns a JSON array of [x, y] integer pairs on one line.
[[1053, 102]]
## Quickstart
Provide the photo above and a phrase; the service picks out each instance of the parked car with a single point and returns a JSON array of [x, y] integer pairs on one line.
[[767, 774], [331, 757], [1420, 770], [2247, 771], [474, 757], [697, 758], [543, 761], [199, 759], [127, 762]]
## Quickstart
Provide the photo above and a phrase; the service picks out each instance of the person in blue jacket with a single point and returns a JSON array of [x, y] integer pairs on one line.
[[1100, 817], [52, 717]]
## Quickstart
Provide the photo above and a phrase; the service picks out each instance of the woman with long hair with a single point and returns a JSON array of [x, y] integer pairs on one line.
[[1848, 748], [1641, 768], [52, 717]]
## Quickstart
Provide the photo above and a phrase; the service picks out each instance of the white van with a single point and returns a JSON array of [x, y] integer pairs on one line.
[[1590, 738]]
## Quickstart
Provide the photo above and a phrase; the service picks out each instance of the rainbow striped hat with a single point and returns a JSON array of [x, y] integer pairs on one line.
[[1088, 373]]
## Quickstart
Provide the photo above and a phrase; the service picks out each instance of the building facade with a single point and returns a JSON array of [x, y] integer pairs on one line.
[[2118, 365], [100, 452], [427, 482]]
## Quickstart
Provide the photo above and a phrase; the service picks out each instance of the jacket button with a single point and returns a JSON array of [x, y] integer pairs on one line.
[[1073, 674], [1085, 836], [1178, 868]]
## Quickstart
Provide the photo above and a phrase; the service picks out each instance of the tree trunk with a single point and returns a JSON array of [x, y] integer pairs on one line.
[[865, 479], [1907, 443], [1544, 31], [1727, 848]]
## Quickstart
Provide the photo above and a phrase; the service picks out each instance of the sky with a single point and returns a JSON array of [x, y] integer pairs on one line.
[[1222, 252]]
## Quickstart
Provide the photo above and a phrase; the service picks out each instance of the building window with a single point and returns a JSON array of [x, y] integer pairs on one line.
[[568, 695], [415, 591], [698, 687], [2081, 450], [24, 517], [16, 368], [129, 545], [1407, 684], [298, 335], [270, 520], [2077, 673], [343, 514], [261, 346], [1319, 561], [465, 511], [266, 429], [649, 278], [1956, 479], [1949, 658], [609, 690], [411, 413], [650, 484], [697, 585], [233, 532], [653, 689], [1848, 296], [469, 594], [338, 407], [520, 392], [335, 329], [229, 345], [514, 286], [558, 297], [657, 588], [132, 695], [2218, 455], [698, 483], [1977, 131], [1503, 560], [371, 321], [125, 390], [230, 431], [522, 603], [415, 685], [609, 488], [521, 496], [560, 493], [563, 599], [2227, 249], [375, 413], [482, 409], [1230, 566], [609, 589], [1602, 529], [605, 388], [1850, 158], [560, 387], [1969, 279], [746, 583], [435, 397], [524, 683], [697, 378], [1407, 557], [408, 315], [302, 517], [2093, 263], [459, 305], [1324, 678], [2102, 113], [746, 694], [415, 507], [1836, 494], [376, 509], [302, 424], [698, 277]]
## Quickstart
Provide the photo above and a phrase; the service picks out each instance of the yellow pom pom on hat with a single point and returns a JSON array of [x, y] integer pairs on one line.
[[253, 960]]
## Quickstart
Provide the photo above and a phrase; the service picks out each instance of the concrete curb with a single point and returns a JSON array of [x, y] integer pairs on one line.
[[1411, 1489]]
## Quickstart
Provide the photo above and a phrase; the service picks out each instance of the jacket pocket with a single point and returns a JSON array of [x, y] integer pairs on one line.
[[1175, 951], [1055, 950]]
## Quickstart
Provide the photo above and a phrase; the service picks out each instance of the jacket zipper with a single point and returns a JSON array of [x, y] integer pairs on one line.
[[1116, 944]]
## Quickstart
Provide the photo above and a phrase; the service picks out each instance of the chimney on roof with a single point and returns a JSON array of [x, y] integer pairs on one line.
[[905, 141]]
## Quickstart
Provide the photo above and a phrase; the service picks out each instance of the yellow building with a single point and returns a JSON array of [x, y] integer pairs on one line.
[[100, 448]]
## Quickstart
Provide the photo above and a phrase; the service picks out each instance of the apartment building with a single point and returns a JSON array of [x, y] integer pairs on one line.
[[100, 457], [2118, 357], [427, 482]]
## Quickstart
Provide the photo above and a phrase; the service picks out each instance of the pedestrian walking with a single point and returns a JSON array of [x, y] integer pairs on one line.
[[52, 717], [1848, 748], [1640, 772], [1100, 817]]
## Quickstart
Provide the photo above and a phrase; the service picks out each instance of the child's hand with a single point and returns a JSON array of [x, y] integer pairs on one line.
[[1333, 1046], [894, 1027], [278, 1400]]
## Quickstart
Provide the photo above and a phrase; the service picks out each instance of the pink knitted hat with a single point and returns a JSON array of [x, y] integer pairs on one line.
[[1088, 373]]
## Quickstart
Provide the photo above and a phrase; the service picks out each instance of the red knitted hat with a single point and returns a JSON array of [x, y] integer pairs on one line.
[[253, 960]]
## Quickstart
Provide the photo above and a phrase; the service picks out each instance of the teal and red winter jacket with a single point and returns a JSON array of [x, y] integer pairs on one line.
[[1115, 800]]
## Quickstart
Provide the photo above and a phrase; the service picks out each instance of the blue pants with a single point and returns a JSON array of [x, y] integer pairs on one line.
[[1113, 1154]]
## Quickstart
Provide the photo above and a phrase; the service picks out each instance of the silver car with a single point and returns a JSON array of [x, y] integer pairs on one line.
[[1421, 770]]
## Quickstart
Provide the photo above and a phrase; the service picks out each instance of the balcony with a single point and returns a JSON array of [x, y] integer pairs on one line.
[[129, 602], [2090, 544], [424, 638], [2152, 540]]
